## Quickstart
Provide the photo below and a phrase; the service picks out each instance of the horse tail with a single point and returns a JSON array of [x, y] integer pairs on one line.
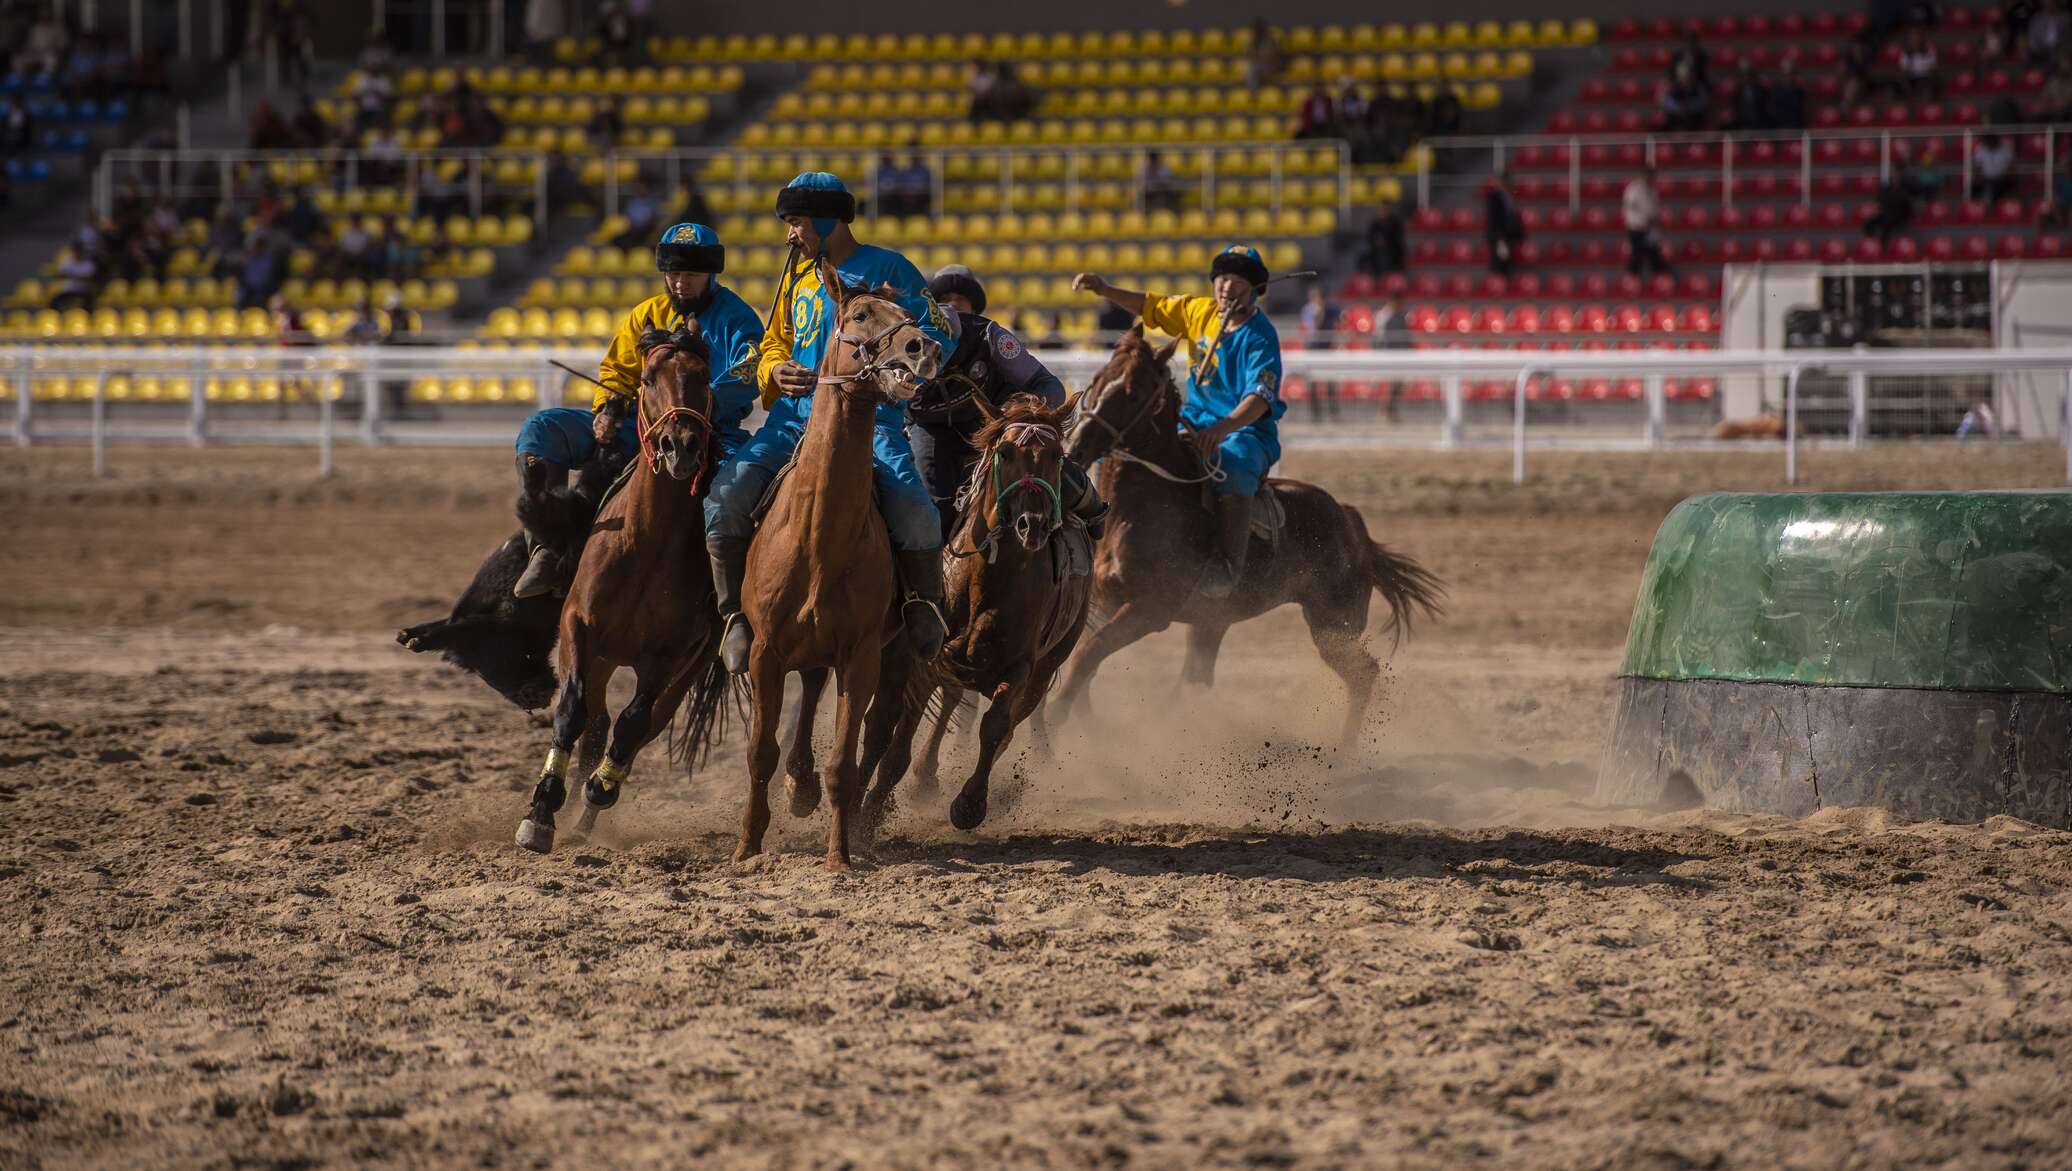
[[1406, 585], [705, 712]]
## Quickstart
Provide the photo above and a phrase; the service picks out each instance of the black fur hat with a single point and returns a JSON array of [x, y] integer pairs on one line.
[[1241, 261]]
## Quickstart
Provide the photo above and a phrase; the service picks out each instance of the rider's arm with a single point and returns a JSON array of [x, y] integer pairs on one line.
[[922, 308], [1257, 368], [619, 370], [737, 352], [774, 351], [1130, 300], [1023, 370]]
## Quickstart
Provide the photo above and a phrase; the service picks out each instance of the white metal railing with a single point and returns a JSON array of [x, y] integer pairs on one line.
[[1463, 162], [361, 371]]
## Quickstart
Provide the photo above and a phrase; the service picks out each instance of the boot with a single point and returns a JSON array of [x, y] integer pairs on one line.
[[536, 477], [1082, 499], [921, 573], [1234, 540], [729, 564], [541, 574]]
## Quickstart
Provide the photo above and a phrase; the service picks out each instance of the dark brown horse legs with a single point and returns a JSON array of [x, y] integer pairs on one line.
[[888, 741], [767, 681], [801, 779], [550, 793], [969, 809], [928, 777], [1344, 650], [1129, 623], [1204, 642], [858, 682]]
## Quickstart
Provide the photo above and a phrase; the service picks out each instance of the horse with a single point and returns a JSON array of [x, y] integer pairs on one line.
[[1014, 618], [506, 641], [818, 590], [1159, 538], [642, 595]]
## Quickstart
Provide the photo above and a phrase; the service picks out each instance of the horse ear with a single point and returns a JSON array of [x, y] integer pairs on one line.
[[1071, 403], [831, 280], [1165, 352], [1137, 328]]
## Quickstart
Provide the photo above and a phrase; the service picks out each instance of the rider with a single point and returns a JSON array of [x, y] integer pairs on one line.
[[551, 441], [817, 210], [1233, 387], [990, 362]]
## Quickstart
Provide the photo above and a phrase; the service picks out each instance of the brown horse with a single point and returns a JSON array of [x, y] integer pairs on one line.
[[1014, 621], [819, 589], [1160, 536], [642, 596]]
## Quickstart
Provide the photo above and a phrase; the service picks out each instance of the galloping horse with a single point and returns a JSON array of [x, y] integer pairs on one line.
[[819, 589], [642, 596], [1014, 617], [1158, 541]]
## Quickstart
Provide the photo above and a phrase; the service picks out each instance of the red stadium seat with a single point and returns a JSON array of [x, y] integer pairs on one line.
[[1525, 319], [1834, 250], [1359, 284], [1662, 319], [1458, 284], [1697, 319], [1977, 248], [1561, 285], [1459, 320], [1595, 319], [1560, 319], [1424, 319], [1425, 285], [1526, 284]]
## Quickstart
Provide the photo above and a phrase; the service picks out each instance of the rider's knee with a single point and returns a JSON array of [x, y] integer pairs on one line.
[[913, 521]]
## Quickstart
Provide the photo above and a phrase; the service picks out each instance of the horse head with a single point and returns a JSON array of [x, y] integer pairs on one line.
[[676, 402], [1019, 475], [1135, 388], [879, 345]]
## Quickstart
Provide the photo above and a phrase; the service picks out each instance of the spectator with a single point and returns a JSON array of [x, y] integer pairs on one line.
[[2057, 206], [1263, 59], [1895, 208], [1316, 117], [1013, 100], [1642, 208], [303, 221], [367, 328], [979, 85], [916, 187], [263, 269], [1113, 320], [1352, 111], [438, 189], [606, 125], [78, 279], [2054, 100], [1053, 335], [2046, 33], [696, 208], [1384, 251], [372, 92], [1685, 99], [226, 249], [1692, 57], [615, 31], [1860, 75], [1392, 332], [886, 182], [1502, 227], [44, 50], [292, 43], [1992, 163], [1162, 190], [2013, 30], [356, 251], [1787, 98], [1319, 317], [400, 257], [1751, 99], [1444, 115], [17, 127], [382, 161], [379, 57], [308, 128], [269, 130], [545, 23], [643, 215], [1924, 178], [1917, 66]]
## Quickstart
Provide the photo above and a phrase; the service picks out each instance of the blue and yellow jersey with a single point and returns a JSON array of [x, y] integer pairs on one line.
[[800, 332], [1246, 362], [728, 325]]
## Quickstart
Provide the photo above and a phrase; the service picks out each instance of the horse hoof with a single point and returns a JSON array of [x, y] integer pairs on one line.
[[598, 796], [536, 837], [744, 853], [926, 785], [804, 794], [967, 811], [838, 864]]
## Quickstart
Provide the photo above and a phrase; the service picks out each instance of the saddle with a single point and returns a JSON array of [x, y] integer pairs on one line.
[[1269, 515], [1072, 568]]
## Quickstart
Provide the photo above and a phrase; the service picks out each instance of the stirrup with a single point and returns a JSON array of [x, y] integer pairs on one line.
[[733, 652], [1219, 579], [933, 647], [537, 578]]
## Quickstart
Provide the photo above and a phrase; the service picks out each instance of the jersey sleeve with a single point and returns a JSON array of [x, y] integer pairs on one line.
[[1022, 369], [619, 370], [737, 351], [1168, 314], [774, 348], [1260, 371], [914, 298]]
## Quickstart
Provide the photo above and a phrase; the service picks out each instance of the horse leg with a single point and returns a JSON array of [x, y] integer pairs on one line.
[[801, 779], [927, 780], [969, 809], [571, 716], [1341, 640], [1129, 623], [1204, 642], [766, 688], [858, 681], [638, 724], [888, 747]]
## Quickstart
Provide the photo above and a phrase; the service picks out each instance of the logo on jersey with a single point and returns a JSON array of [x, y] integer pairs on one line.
[[1269, 380], [1010, 346]]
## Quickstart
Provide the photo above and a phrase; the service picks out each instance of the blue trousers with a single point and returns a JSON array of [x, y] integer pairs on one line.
[[910, 513], [562, 435], [1245, 455]]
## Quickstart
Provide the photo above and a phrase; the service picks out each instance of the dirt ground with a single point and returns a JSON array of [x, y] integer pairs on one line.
[[263, 908]]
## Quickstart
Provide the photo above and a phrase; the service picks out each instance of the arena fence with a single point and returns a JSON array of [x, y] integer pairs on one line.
[[441, 395]]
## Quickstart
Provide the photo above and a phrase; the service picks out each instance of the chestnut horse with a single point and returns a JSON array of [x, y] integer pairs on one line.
[[1013, 621], [819, 590], [642, 595], [1160, 536]]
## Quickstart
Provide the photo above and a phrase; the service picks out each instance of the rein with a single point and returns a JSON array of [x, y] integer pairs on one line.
[[1003, 492], [649, 429], [1213, 469], [865, 348]]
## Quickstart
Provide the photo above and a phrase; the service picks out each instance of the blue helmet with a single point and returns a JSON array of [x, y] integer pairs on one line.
[[820, 197], [1241, 260], [690, 248]]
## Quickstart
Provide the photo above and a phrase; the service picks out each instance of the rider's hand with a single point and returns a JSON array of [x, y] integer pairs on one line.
[[1090, 282], [1208, 439], [604, 426], [793, 378]]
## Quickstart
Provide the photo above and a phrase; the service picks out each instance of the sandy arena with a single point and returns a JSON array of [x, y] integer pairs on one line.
[[264, 910]]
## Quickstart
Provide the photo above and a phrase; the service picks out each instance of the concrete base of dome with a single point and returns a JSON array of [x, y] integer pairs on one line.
[[1793, 749]]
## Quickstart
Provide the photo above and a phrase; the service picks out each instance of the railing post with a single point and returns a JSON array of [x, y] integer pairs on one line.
[[540, 210], [1885, 155], [1450, 426], [370, 400], [100, 425], [1575, 177], [1647, 144], [1791, 425], [198, 410], [24, 405], [1518, 427], [1805, 170], [1658, 411], [1964, 146], [1424, 178], [475, 186], [1859, 407], [324, 413], [1726, 172]]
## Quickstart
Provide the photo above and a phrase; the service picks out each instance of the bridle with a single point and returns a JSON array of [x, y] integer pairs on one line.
[[1090, 413], [648, 429], [1004, 491], [866, 349]]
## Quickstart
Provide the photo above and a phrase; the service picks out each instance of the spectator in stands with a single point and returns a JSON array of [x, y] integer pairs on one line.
[[1641, 207], [78, 279], [1925, 175], [696, 208], [1351, 112], [916, 187], [1503, 229], [616, 31], [1317, 116], [1751, 99], [2009, 38], [1787, 98], [263, 269], [372, 93], [381, 164], [1319, 317], [43, 52], [293, 46], [1263, 59], [1883, 21], [1112, 320], [606, 125], [2057, 203], [1388, 131], [1162, 189], [1917, 67], [356, 251], [1693, 59], [2054, 100], [1384, 251], [1861, 77], [1992, 165], [226, 248], [1392, 332], [546, 21], [978, 86], [1686, 102], [643, 213], [17, 127], [1053, 335], [308, 128], [885, 182], [1895, 207], [439, 192], [269, 130], [1012, 100], [367, 328], [2046, 33], [303, 220]]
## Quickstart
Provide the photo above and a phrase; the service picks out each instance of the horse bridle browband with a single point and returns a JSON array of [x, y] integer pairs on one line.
[[865, 349], [647, 430], [1002, 493]]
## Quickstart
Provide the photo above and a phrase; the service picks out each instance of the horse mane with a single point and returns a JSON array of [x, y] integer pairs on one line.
[[1020, 408]]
